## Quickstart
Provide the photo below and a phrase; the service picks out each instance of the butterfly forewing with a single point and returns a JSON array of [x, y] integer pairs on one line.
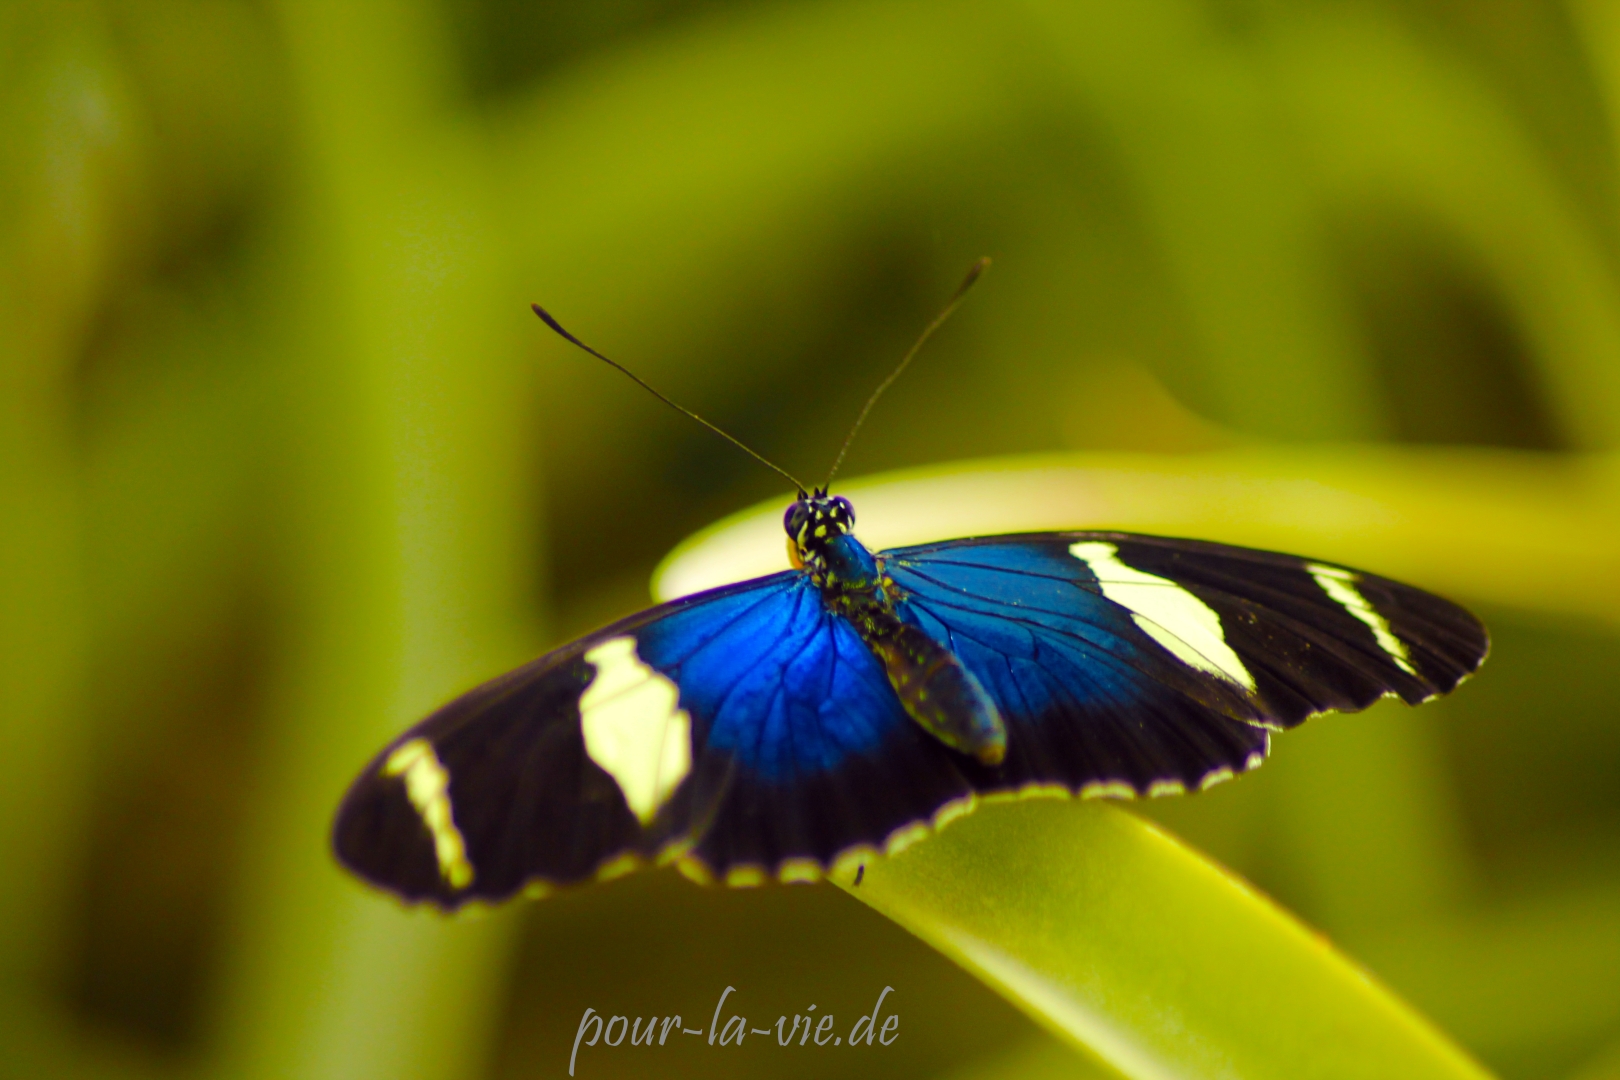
[[493, 791], [747, 731], [1330, 637], [1154, 638]]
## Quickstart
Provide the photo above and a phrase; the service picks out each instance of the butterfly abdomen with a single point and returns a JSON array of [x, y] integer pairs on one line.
[[939, 692]]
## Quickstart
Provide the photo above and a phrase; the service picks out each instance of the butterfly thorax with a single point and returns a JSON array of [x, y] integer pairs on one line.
[[935, 688], [820, 541]]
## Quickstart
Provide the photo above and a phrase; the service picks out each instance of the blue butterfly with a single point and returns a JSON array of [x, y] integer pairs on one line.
[[802, 722]]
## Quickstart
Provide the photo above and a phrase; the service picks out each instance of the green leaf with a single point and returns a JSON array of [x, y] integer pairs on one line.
[[1118, 938]]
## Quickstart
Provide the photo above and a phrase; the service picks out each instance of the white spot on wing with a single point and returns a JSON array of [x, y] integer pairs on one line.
[[427, 786], [1340, 585], [633, 728], [1166, 612]]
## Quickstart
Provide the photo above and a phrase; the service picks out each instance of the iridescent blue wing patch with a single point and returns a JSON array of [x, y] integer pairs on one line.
[[747, 732], [1133, 664], [804, 752]]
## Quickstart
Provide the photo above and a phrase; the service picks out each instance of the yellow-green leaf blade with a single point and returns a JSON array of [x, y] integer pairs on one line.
[[1120, 939]]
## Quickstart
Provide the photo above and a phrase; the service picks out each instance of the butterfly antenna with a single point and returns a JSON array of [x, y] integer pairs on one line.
[[939, 320], [545, 316]]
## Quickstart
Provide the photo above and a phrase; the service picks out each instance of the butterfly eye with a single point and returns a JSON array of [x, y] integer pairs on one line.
[[793, 521], [848, 510]]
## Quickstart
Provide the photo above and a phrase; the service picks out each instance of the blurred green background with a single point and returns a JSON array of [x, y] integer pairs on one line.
[[285, 462]]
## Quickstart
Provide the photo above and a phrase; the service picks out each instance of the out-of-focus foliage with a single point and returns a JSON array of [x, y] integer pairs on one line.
[[284, 461]]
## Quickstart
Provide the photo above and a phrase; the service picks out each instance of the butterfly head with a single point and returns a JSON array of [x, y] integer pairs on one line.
[[813, 523]]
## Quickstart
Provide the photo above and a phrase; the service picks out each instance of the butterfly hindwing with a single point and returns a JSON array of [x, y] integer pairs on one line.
[[802, 749], [1092, 704]]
